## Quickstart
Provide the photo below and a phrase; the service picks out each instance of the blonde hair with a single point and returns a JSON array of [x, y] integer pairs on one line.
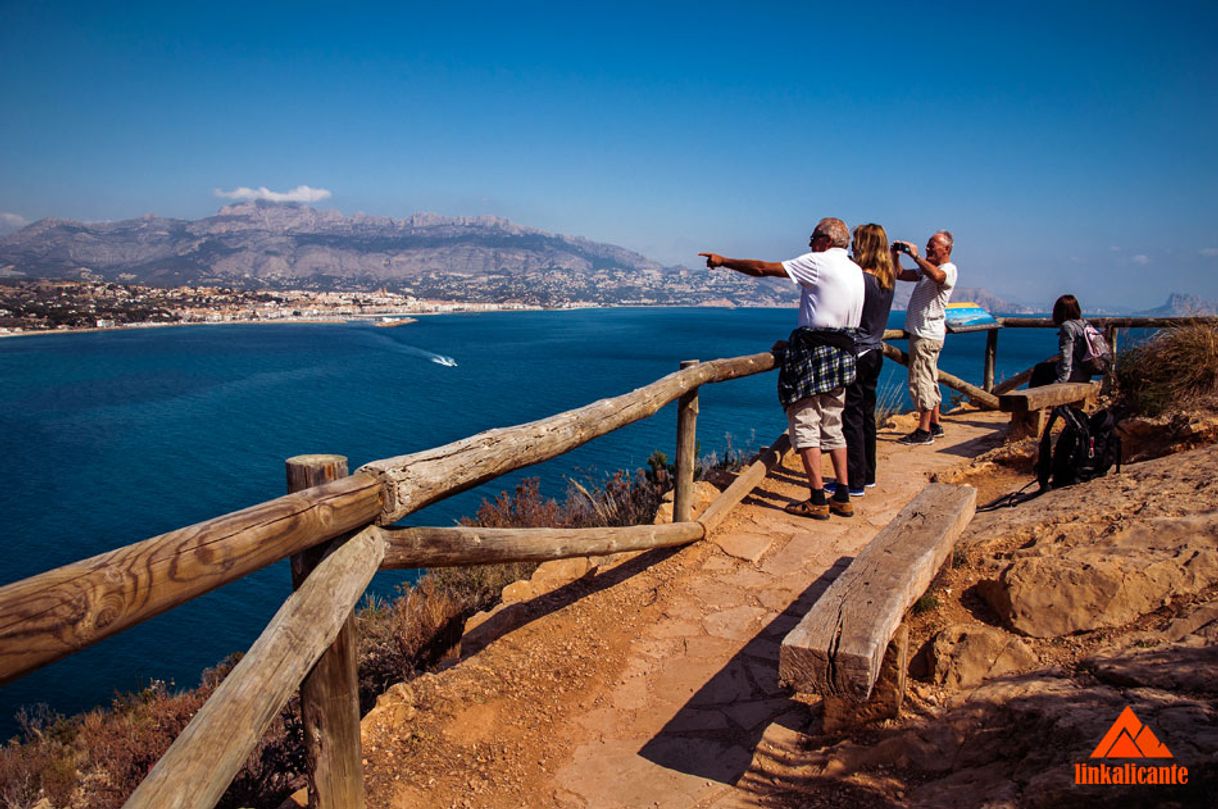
[[871, 253]]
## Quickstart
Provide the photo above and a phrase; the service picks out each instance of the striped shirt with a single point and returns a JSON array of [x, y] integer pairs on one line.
[[925, 315]]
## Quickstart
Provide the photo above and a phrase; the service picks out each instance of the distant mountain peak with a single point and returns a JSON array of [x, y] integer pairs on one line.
[[1183, 304]]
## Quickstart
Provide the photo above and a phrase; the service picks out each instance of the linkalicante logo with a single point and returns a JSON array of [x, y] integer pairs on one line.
[[1129, 737]]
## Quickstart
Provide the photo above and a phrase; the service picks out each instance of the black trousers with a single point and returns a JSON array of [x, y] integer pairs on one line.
[[1043, 373], [858, 420]]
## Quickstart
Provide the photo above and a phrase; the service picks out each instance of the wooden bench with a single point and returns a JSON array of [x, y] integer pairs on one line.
[[1030, 408], [847, 637]]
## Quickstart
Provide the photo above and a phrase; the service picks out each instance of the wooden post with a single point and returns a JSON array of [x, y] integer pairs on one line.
[[201, 763], [329, 694], [687, 428], [1109, 381], [991, 359]]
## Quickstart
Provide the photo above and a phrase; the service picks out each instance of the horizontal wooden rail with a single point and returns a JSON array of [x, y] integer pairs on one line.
[[53, 614], [979, 396], [744, 483], [421, 478], [1118, 322], [1008, 385], [200, 764], [407, 548]]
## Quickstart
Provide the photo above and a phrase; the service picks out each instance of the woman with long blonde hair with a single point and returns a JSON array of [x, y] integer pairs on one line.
[[871, 252]]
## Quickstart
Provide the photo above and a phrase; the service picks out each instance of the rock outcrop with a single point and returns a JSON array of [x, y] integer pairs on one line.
[[963, 656], [1106, 580]]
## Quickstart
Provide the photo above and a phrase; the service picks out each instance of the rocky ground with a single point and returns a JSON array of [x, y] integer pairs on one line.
[[651, 681]]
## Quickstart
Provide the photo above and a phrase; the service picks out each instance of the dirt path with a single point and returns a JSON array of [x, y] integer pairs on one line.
[[652, 683]]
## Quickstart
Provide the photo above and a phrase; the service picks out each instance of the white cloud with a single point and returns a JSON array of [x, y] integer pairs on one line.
[[1140, 259], [301, 193], [1209, 252], [1115, 248], [10, 222]]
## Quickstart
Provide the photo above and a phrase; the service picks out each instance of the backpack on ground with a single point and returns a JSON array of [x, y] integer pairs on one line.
[[1086, 449], [1098, 356]]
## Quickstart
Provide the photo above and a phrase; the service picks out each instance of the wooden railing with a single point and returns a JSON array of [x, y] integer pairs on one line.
[[330, 525]]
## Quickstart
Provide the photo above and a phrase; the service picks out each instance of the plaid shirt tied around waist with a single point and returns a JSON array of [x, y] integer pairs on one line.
[[816, 361]]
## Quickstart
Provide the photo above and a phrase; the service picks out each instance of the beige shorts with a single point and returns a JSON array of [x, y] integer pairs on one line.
[[816, 422], [924, 372]]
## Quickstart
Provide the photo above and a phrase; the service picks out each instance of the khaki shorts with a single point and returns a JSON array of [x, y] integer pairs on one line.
[[924, 372], [816, 422]]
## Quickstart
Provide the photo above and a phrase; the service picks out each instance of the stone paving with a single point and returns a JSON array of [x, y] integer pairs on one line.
[[648, 683], [699, 704]]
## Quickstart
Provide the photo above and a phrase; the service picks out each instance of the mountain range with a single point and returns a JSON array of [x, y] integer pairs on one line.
[[294, 246]]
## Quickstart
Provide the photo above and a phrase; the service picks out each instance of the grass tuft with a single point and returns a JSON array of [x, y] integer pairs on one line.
[[1176, 366], [887, 404]]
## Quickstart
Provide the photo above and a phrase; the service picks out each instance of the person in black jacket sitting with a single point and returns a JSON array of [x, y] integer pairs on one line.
[[1072, 364]]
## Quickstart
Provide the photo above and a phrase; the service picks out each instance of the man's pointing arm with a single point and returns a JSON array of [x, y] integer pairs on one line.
[[748, 266]]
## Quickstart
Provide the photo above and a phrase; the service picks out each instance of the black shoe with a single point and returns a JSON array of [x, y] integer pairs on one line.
[[918, 436], [936, 430]]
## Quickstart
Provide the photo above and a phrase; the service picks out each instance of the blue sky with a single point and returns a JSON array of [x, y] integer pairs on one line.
[[1070, 147]]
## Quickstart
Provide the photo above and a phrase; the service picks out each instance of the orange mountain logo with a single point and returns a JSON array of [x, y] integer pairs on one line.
[[1130, 738]]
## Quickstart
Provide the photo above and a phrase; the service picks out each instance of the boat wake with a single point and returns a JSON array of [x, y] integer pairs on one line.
[[385, 342]]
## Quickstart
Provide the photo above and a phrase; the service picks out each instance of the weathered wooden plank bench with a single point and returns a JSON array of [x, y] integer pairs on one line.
[[1029, 408], [840, 646]]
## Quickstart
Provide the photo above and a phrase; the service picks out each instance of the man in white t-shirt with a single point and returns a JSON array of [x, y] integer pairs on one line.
[[830, 300], [925, 321]]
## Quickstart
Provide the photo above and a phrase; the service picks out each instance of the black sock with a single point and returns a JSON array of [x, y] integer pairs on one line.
[[818, 497], [842, 494]]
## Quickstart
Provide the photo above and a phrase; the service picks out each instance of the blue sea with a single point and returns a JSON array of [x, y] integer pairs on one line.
[[112, 437]]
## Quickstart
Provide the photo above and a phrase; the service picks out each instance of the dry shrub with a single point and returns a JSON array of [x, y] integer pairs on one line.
[[400, 638], [621, 500], [28, 771], [97, 759], [1176, 366]]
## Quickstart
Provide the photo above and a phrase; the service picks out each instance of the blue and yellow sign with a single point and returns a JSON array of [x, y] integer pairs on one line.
[[965, 317]]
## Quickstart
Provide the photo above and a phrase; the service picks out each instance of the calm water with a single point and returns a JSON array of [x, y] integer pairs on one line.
[[113, 437]]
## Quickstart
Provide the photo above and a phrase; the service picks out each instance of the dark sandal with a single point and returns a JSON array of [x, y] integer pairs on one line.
[[808, 509]]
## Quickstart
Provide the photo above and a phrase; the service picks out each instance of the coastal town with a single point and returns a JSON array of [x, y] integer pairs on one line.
[[41, 306]]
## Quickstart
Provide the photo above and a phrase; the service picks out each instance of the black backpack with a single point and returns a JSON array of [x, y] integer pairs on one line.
[[1086, 449]]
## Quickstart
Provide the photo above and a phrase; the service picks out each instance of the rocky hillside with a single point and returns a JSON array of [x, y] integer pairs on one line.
[[290, 246]]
